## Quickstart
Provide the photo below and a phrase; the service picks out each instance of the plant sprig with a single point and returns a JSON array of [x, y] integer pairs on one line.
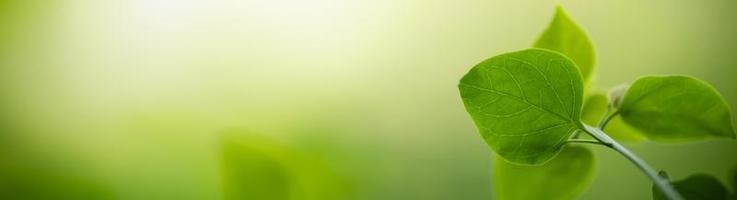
[[530, 105]]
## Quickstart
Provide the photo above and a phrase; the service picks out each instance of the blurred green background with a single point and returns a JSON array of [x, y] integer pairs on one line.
[[330, 99]]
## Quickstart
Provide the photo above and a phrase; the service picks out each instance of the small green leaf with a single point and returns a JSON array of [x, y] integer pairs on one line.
[[563, 177], [676, 108], [696, 187], [564, 36], [525, 104], [593, 110]]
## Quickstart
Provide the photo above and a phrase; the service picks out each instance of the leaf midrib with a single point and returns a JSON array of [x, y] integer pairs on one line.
[[564, 118]]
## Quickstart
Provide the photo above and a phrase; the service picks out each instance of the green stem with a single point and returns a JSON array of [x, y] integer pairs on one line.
[[660, 182], [575, 140], [608, 116]]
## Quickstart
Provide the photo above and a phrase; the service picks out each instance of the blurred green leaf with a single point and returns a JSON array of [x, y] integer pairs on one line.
[[593, 109], [563, 177], [733, 181], [254, 174], [696, 187], [525, 104], [676, 108], [29, 174], [564, 36], [255, 167]]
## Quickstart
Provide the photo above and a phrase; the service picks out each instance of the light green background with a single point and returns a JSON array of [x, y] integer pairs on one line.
[[134, 93]]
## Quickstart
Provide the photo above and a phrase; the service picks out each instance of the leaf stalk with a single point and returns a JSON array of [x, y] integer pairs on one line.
[[576, 140], [660, 182], [608, 116]]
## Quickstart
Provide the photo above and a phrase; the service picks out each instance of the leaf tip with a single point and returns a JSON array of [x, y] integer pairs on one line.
[[559, 9], [560, 14]]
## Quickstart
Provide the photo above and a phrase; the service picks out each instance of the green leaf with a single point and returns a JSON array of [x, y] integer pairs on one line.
[[594, 108], [564, 36], [621, 131], [27, 173], [733, 181], [563, 177], [696, 187], [676, 108], [252, 172], [525, 104], [255, 167]]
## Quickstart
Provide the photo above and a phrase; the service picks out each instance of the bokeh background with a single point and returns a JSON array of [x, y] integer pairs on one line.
[[331, 99]]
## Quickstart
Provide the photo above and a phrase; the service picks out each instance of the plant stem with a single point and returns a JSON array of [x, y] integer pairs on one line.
[[608, 115], [575, 140], [660, 182]]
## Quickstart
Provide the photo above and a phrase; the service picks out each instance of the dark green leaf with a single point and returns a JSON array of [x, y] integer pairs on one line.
[[33, 174], [733, 181], [564, 36], [676, 108], [696, 187], [563, 177], [526, 104]]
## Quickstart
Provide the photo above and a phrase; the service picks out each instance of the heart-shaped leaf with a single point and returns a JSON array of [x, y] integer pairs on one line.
[[696, 187], [525, 104], [564, 36], [675, 109], [562, 178]]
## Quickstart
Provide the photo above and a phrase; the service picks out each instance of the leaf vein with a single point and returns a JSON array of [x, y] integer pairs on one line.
[[515, 98]]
